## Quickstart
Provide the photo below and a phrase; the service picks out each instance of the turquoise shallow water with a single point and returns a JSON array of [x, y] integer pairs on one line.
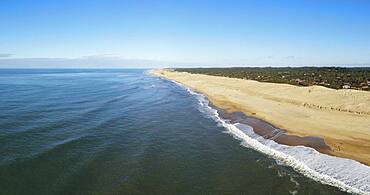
[[124, 132]]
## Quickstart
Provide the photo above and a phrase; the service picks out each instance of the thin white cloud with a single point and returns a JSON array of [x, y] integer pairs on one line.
[[6, 55], [109, 61], [84, 62]]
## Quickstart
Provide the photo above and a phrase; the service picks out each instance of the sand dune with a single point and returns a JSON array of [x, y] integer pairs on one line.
[[341, 117]]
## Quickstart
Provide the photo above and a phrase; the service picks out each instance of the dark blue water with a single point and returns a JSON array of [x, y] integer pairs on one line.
[[123, 132]]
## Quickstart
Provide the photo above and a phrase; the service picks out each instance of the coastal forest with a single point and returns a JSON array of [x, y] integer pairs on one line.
[[332, 77]]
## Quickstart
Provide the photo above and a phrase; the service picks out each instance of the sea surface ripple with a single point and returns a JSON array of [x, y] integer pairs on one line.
[[83, 131]]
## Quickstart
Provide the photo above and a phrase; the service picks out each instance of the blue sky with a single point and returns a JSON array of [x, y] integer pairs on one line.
[[214, 33]]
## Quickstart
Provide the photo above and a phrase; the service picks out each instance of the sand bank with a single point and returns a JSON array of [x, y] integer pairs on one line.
[[340, 117]]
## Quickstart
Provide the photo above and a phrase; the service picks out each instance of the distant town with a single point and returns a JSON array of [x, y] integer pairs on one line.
[[331, 77]]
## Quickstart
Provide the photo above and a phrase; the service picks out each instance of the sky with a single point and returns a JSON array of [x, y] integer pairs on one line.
[[184, 33]]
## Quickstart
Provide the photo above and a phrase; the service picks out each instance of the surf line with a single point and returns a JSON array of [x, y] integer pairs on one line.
[[236, 130]]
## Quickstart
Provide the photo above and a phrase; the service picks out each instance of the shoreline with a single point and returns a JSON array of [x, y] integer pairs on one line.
[[269, 131], [348, 144]]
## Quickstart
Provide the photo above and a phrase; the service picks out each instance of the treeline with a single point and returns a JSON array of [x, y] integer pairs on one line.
[[332, 77]]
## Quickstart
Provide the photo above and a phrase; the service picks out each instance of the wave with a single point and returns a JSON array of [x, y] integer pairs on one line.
[[346, 174]]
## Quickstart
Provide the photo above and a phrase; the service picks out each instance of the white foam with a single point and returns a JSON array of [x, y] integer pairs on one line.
[[346, 174]]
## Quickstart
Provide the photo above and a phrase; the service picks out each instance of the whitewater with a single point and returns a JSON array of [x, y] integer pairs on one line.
[[346, 174]]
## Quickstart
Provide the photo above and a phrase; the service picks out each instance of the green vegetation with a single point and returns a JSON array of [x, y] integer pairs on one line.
[[332, 77]]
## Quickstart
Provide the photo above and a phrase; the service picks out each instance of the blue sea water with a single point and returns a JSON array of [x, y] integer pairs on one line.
[[82, 131]]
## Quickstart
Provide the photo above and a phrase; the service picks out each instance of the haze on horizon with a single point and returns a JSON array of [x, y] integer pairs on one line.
[[60, 34]]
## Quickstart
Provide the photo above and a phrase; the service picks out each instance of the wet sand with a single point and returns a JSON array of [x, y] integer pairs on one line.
[[335, 122], [269, 131]]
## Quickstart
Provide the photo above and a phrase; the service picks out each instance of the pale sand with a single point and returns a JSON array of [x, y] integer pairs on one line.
[[341, 117]]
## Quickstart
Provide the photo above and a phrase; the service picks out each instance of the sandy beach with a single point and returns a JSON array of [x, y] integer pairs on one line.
[[340, 117]]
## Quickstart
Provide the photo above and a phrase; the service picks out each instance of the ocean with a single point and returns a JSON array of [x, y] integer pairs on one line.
[[123, 131]]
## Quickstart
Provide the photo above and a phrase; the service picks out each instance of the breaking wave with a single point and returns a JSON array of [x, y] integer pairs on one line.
[[346, 174]]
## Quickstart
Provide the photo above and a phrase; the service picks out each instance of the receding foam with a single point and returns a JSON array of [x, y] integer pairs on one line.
[[346, 174]]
